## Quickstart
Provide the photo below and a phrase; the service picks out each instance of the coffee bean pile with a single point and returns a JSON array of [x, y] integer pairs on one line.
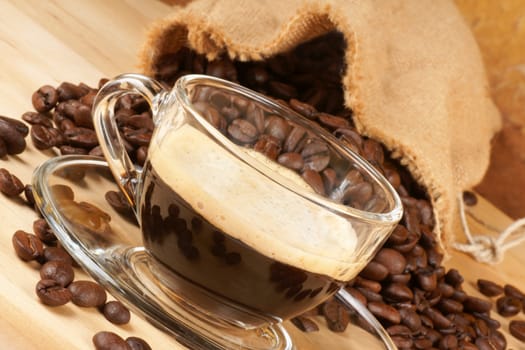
[[420, 303], [57, 285]]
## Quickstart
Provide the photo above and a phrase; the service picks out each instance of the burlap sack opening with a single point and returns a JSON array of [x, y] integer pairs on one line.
[[414, 78]]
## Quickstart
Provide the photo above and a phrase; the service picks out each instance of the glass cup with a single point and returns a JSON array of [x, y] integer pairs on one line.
[[252, 213]]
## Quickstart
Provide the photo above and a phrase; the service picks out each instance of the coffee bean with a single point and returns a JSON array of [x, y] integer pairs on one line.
[[336, 316], [277, 127], [316, 155], [426, 279], [313, 178], [357, 295], [397, 292], [305, 324], [269, 146], [394, 261], [109, 341], [438, 320], [374, 271], [212, 115], [28, 193], [115, 312], [68, 91], [82, 116], [57, 254], [454, 278], [37, 118], [43, 231], [10, 185], [44, 99], [489, 288], [373, 286], [448, 342], [384, 311], [508, 306], [242, 131], [291, 160], [474, 304], [305, 109], [410, 319], [512, 291], [484, 344], [58, 271], [52, 293], [82, 137], [332, 122], [294, 139], [517, 329], [44, 138], [27, 246], [450, 306], [87, 293], [470, 198], [69, 150], [136, 343], [498, 340]]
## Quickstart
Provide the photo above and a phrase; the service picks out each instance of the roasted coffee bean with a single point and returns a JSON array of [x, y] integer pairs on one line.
[[296, 136], [315, 180], [291, 160], [402, 341], [512, 291], [58, 271], [10, 185], [489, 288], [517, 329], [82, 137], [282, 90], [269, 146], [57, 254], [384, 312], [109, 341], [508, 306], [222, 68], [44, 99], [448, 342], [115, 312], [242, 131], [411, 319], [491, 323], [87, 294], [82, 116], [374, 271], [136, 343], [454, 278], [474, 304], [394, 261], [97, 152], [212, 115], [316, 155], [396, 292], [37, 118], [373, 286], [336, 316], [373, 152], [28, 193], [68, 91], [399, 235], [305, 324], [44, 138], [484, 344], [118, 201], [438, 320], [498, 340], [402, 278], [27, 246], [357, 295], [70, 150], [43, 231], [450, 306], [276, 127], [52, 293], [305, 109], [332, 122], [426, 279], [11, 137]]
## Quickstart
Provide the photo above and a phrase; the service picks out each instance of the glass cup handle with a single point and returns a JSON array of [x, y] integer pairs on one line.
[[124, 172], [352, 303]]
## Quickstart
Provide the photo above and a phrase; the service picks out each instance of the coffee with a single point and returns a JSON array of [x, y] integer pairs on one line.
[[283, 250]]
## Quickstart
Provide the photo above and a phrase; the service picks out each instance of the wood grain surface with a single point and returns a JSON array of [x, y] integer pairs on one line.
[[47, 42]]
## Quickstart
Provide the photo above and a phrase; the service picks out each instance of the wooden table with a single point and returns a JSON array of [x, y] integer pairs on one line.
[[47, 42]]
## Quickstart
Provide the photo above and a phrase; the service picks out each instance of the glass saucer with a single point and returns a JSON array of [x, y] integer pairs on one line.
[[70, 193]]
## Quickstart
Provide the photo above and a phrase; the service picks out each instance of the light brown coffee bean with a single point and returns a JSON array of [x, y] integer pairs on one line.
[[10, 185], [87, 294], [115, 312], [291, 160], [27, 246], [489, 288], [313, 178], [242, 131], [109, 341], [52, 293]]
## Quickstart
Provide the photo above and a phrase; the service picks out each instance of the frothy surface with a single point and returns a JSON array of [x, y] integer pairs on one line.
[[252, 208]]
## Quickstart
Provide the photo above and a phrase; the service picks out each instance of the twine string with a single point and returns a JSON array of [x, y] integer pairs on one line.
[[487, 249]]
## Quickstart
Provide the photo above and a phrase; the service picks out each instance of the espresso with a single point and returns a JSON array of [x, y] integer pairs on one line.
[[221, 224]]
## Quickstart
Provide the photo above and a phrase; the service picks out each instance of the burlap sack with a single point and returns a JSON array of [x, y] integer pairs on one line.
[[414, 76]]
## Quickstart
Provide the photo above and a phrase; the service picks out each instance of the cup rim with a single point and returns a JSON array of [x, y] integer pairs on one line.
[[387, 218]]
